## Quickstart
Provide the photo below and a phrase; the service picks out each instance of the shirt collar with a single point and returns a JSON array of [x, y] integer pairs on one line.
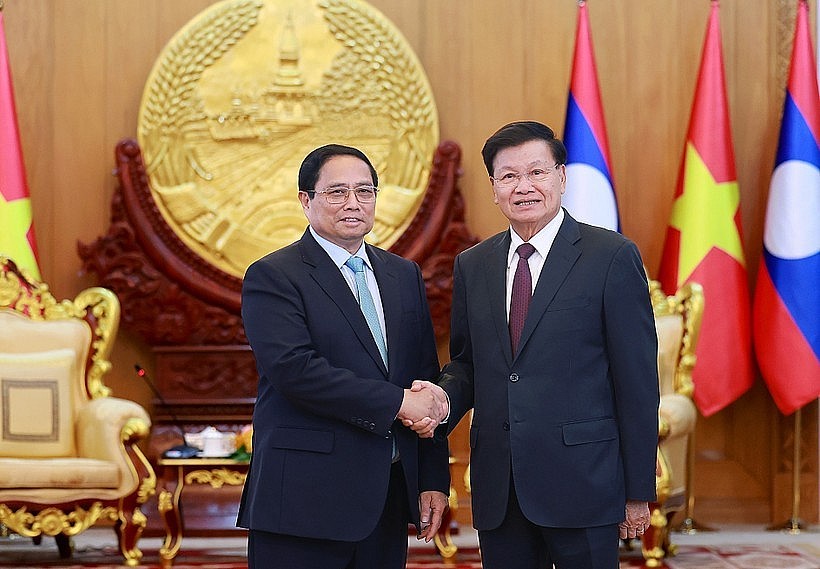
[[340, 255], [542, 241]]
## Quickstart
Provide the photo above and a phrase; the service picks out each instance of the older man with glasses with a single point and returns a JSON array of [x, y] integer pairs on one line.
[[553, 346]]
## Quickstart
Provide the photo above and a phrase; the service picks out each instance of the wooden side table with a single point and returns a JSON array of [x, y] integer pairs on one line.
[[173, 475]]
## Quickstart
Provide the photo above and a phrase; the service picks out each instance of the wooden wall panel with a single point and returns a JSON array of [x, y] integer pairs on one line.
[[79, 69], [29, 32], [78, 137]]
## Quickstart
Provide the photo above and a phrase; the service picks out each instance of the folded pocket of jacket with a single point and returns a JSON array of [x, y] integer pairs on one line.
[[595, 430], [297, 438]]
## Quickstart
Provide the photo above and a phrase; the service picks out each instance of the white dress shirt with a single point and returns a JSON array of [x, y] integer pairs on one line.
[[339, 256], [542, 241]]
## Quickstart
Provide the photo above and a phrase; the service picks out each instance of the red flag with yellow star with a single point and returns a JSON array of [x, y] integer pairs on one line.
[[16, 229], [703, 241]]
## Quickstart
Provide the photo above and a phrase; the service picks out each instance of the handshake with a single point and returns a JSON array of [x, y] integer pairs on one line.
[[424, 407]]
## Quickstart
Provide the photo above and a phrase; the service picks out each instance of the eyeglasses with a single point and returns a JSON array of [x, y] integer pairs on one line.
[[338, 194], [510, 180]]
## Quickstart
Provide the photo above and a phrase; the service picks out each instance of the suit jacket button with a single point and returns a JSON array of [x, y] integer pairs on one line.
[[514, 377], [506, 425]]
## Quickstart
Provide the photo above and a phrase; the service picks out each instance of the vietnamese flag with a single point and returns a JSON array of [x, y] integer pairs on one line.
[[16, 229], [787, 298], [703, 240]]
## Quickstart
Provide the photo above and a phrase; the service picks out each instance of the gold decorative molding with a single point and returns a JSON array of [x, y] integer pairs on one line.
[[131, 553], [216, 477], [688, 302], [105, 307], [656, 541], [27, 295], [52, 521], [165, 501], [653, 554], [136, 429]]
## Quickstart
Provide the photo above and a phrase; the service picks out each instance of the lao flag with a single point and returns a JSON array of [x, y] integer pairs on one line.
[[787, 299], [590, 195]]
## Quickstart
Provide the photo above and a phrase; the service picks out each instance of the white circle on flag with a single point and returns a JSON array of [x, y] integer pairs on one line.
[[793, 212], [589, 197]]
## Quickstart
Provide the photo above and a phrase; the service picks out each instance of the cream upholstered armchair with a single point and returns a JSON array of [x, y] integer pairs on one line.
[[677, 320], [67, 449]]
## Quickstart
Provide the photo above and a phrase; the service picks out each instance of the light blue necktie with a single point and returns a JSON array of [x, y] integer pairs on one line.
[[356, 264], [367, 305]]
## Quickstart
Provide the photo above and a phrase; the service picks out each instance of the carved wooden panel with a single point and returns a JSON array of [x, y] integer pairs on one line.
[[173, 297]]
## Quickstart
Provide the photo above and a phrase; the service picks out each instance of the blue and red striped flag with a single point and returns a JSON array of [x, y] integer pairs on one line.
[[787, 299], [16, 228], [590, 195]]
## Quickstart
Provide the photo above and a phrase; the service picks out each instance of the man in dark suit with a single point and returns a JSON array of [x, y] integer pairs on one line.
[[340, 330], [553, 346]]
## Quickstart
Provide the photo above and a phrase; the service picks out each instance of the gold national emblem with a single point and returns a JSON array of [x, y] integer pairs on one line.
[[245, 90]]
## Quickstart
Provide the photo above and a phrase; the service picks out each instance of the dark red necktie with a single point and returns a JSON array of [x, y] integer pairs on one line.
[[521, 294]]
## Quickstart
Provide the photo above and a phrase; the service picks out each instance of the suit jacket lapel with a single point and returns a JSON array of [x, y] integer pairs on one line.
[[562, 256], [496, 280], [391, 302], [330, 279]]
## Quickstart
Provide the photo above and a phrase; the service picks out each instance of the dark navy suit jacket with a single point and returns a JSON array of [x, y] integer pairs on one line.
[[324, 415], [574, 414]]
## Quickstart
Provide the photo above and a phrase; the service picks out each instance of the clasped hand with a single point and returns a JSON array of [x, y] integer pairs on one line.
[[423, 408]]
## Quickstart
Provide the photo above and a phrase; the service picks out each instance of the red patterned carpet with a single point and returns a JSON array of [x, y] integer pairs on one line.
[[181, 565], [101, 552], [803, 555], [745, 557], [689, 557]]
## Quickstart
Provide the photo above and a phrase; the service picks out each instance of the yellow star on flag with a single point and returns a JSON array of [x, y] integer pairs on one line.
[[705, 216], [15, 221]]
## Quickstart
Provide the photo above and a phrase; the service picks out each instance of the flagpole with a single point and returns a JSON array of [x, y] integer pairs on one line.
[[689, 526], [793, 525]]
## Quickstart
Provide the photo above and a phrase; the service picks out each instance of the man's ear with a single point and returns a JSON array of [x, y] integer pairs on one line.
[[495, 195]]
